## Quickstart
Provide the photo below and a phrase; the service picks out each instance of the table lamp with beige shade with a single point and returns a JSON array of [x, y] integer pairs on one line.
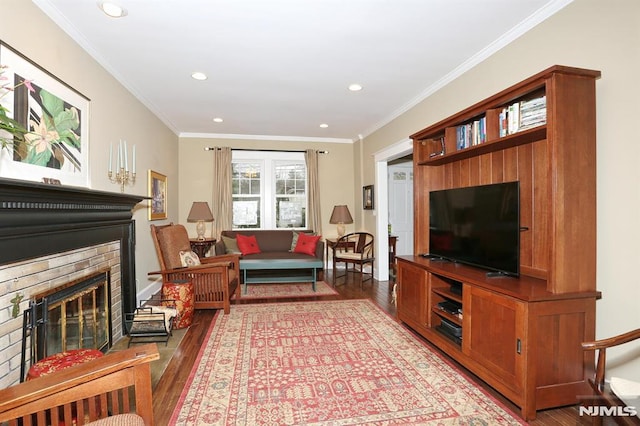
[[200, 213], [340, 216]]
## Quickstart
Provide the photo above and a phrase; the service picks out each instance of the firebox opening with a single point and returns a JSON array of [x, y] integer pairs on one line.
[[73, 316]]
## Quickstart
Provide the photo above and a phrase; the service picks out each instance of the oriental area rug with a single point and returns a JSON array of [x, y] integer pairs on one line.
[[342, 362], [285, 290]]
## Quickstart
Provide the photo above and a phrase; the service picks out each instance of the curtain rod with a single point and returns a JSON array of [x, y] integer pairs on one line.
[[211, 148]]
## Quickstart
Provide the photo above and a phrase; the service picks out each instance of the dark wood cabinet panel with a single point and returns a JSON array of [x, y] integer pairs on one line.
[[494, 335], [412, 299]]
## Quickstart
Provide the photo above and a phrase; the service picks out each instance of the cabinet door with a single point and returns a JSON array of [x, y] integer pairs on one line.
[[412, 295], [494, 335]]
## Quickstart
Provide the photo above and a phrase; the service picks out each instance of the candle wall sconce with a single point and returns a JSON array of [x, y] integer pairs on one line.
[[122, 174]]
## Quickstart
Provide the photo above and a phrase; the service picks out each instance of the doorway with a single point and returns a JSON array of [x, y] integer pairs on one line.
[[401, 203], [382, 159]]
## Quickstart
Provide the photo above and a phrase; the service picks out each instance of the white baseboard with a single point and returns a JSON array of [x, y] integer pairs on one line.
[[148, 292]]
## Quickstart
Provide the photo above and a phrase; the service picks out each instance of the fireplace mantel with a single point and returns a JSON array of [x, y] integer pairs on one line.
[[39, 219]]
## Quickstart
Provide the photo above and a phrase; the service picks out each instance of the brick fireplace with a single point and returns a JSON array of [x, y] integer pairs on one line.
[[51, 236]]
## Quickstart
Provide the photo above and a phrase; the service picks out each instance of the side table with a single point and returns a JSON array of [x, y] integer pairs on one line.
[[182, 293], [201, 247]]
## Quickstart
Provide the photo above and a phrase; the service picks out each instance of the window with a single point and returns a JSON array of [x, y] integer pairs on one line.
[[269, 190]]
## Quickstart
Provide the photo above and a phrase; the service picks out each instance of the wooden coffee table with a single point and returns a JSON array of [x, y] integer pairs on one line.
[[309, 265]]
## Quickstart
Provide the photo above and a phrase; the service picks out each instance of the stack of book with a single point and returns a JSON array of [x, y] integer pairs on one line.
[[533, 113], [523, 115], [472, 133]]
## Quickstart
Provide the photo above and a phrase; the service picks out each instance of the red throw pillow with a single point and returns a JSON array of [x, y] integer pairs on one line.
[[307, 244], [248, 244]]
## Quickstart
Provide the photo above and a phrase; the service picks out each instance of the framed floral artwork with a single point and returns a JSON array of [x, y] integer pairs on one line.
[[158, 195], [53, 143]]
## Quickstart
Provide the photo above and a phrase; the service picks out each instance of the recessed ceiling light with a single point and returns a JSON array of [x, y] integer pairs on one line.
[[218, 120], [112, 9], [324, 125], [199, 75], [355, 87]]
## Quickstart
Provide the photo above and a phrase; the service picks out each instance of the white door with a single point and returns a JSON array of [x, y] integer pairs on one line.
[[401, 206]]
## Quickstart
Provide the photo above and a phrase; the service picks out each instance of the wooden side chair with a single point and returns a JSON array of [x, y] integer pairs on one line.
[[214, 279], [354, 249], [614, 395]]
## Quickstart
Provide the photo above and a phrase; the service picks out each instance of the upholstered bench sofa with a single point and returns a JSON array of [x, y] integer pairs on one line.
[[280, 244]]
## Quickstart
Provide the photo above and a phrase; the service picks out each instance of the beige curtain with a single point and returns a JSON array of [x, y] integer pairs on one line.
[[314, 218], [222, 205]]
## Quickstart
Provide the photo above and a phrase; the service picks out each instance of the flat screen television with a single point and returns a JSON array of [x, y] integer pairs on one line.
[[478, 226]]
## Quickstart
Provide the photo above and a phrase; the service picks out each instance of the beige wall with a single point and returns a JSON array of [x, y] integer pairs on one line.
[[114, 114], [336, 174], [588, 34]]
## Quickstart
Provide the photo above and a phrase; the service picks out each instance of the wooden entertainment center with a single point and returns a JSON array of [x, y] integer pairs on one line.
[[520, 335]]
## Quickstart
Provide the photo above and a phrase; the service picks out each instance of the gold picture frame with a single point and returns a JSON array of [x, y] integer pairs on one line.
[[158, 193]]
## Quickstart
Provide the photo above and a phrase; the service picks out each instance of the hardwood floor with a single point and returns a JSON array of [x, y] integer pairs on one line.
[[168, 389]]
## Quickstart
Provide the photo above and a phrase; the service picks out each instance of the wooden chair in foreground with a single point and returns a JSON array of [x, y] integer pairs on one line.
[[603, 395], [214, 280], [113, 389]]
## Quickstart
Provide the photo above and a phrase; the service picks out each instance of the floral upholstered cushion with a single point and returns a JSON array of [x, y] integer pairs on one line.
[[189, 258], [62, 360]]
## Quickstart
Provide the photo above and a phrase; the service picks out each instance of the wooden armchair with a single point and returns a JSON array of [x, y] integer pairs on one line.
[[354, 249], [114, 389], [603, 395], [214, 281]]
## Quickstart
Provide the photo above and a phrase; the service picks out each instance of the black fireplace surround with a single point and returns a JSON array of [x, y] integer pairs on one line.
[[39, 219]]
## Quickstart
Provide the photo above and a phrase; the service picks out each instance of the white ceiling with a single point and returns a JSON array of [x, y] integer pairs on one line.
[[280, 68]]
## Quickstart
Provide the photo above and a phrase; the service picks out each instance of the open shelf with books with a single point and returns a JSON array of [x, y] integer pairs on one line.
[[511, 118], [515, 139]]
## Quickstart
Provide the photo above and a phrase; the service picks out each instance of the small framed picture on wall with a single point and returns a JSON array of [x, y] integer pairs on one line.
[[367, 197], [158, 195]]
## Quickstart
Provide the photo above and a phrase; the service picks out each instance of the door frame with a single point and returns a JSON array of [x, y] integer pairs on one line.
[[381, 158]]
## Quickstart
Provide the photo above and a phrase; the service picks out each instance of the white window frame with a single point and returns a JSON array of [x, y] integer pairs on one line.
[[267, 160]]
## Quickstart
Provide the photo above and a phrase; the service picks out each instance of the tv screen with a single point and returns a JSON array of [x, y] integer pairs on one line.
[[478, 225]]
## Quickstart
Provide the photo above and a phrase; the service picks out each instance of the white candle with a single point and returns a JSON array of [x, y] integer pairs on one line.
[[126, 160], [119, 155], [134, 160], [110, 155]]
